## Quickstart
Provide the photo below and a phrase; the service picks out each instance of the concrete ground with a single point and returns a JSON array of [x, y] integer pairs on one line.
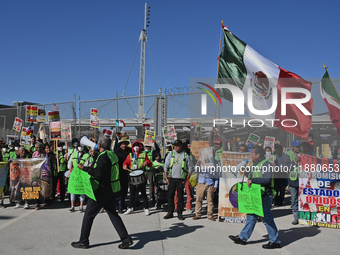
[[52, 231]]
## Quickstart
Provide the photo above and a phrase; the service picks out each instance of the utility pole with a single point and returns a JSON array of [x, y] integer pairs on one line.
[[142, 39]]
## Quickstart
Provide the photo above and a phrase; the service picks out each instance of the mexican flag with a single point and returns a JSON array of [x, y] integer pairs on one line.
[[242, 66], [332, 100], [120, 123]]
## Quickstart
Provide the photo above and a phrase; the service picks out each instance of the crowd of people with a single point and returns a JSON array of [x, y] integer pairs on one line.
[[114, 175]]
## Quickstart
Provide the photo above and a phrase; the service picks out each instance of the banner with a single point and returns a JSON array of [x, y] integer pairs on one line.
[[3, 175], [32, 114], [79, 183], [169, 134], [54, 116], [149, 138], [66, 134], [250, 199], [26, 137], [196, 146], [42, 115], [319, 192], [55, 130], [30, 179], [228, 187], [252, 139], [17, 124], [269, 142], [94, 118]]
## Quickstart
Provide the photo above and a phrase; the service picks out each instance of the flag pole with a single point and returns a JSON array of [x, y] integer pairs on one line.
[[218, 62]]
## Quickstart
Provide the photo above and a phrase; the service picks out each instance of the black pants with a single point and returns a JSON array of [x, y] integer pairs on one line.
[[176, 184], [142, 190], [280, 188], [149, 177], [93, 208], [60, 177]]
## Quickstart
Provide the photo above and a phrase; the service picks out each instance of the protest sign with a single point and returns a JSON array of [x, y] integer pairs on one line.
[[30, 179], [169, 134], [17, 124], [269, 142], [250, 199], [79, 183], [42, 132], [55, 130], [319, 192], [252, 139], [26, 136], [146, 127], [94, 119], [196, 146], [207, 156], [108, 132], [54, 116], [42, 115], [198, 127], [66, 134], [149, 138], [228, 187], [3, 175], [32, 114]]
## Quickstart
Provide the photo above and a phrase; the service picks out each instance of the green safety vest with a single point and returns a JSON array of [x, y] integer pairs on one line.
[[184, 171], [218, 155], [115, 184], [293, 175], [12, 155], [71, 150], [75, 157], [5, 156], [62, 163], [156, 164], [258, 174], [140, 160]]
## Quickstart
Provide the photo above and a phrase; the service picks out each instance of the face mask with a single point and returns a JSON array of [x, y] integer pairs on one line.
[[147, 150], [268, 153], [4, 149], [136, 148], [80, 148], [60, 148], [16, 148], [11, 148]]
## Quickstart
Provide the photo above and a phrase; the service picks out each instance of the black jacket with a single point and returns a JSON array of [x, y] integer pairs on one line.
[[102, 172], [122, 155]]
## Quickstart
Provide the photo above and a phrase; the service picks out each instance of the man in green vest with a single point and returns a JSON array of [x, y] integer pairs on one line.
[[177, 170], [105, 184], [220, 143], [291, 162], [262, 174], [150, 152]]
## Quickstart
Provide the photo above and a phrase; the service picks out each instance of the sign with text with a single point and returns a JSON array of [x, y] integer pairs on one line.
[[269, 142], [32, 114], [66, 134], [149, 138], [54, 116], [250, 199], [55, 130], [17, 124], [169, 134], [252, 139], [79, 183], [42, 115], [94, 118]]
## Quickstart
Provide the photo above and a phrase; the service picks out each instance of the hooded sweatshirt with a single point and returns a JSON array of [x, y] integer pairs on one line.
[[128, 162]]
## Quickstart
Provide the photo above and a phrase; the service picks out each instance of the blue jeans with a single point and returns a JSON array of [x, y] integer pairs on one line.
[[267, 220], [294, 192], [73, 197]]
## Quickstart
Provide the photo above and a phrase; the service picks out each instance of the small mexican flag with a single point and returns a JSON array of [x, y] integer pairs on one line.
[[242, 66], [332, 100], [120, 123]]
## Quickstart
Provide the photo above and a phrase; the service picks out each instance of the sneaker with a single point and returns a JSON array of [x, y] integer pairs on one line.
[[17, 206], [295, 222], [81, 209], [47, 206], [128, 211], [72, 209], [2, 205], [38, 207], [26, 206], [147, 212]]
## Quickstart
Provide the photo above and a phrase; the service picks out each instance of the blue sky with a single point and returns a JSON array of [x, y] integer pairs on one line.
[[51, 50]]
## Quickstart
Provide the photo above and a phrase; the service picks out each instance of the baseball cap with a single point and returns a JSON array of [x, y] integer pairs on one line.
[[218, 141], [178, 143], [296, 143]]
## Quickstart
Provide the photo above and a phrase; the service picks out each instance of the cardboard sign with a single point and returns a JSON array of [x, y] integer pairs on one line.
[[66, 134], [196, 146], [55, 130], [54, 116], [252, 139], [17, 124], [94, 118], [250, 199], [149, 138], [32, 114], [42, 115]]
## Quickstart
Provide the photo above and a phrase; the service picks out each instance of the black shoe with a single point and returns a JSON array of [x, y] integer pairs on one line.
[[120, 211], [80, 245], [125, 245], [271, 245], [169, 215], [180, 217], [237, 240]]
